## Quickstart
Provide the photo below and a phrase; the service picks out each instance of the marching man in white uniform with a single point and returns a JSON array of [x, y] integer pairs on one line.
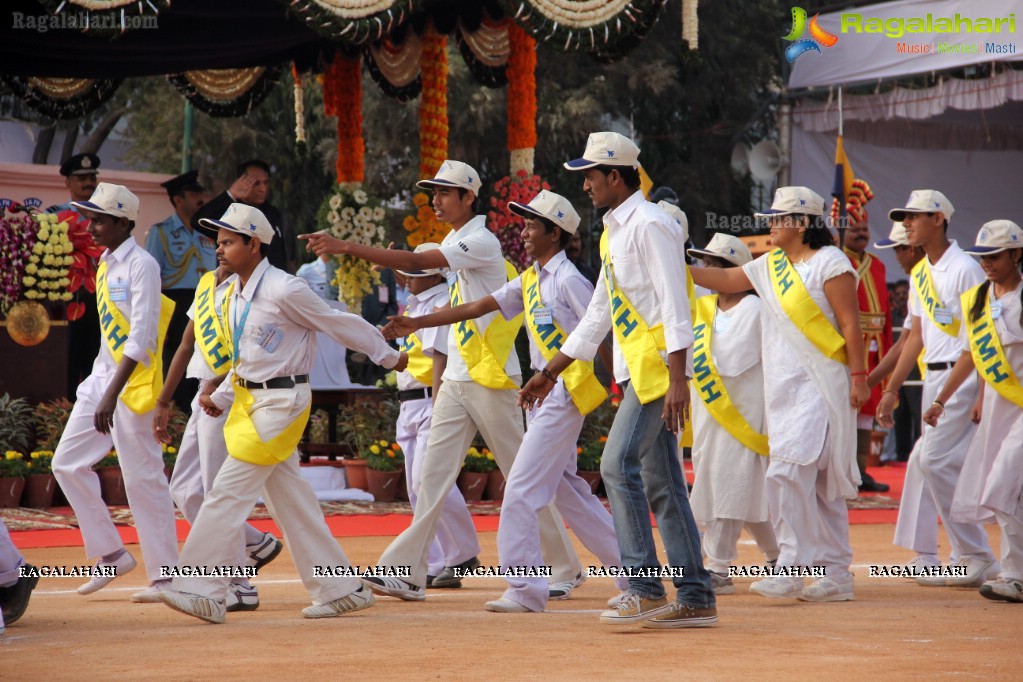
[[554, 296], [456, 542], [730, 451], [479, 385], [203, 450], [270, 319], [991, 481], [115, 402], [938, 281]]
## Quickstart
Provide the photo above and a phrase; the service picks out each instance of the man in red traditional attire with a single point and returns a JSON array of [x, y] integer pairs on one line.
[[876, 322]]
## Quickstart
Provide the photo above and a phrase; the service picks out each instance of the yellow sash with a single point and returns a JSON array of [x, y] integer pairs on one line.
[[711, 388], [804, 312], [929, 297], [243, 441], [146, 381], [485, 354], [209, 331], [587, 393], [987, 351], [420, 365], [640, 344]]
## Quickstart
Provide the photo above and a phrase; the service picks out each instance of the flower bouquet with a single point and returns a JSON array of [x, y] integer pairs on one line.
[[350, 214]]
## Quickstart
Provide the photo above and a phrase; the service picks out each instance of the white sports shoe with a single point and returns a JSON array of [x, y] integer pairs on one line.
[[829, 589], [504, 605], [395, 587], [104, 572], [361, 599], [151, 595], [241, 598], [264, 551], [919, 563], [1003, 589], [778, 587], [195, 605], [563, 590]]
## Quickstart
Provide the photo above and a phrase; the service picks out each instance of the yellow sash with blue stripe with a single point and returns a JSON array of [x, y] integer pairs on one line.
[[209, 331], [804, 312], [420, 365], [486, 354], [929, 297], [582, 384], [243, 441], [146, 381], [710, 386], [988, 354]]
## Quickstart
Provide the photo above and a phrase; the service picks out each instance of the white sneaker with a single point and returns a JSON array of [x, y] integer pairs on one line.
[[613, 602], [1003, 589], [978, 571], [195, 605], [778, 587], [721, 583], [361, 599], [151, 595], [264, 551], [240, 598], [918, 564], [504, 605], [395, 587], [563, 590], [829, 589], [104, 572]]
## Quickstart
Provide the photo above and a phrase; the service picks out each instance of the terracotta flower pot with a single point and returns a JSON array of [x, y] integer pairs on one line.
[[39, 490], [877, 439], [355, 473], [472, 484], [495, 485], [111, 485], [383, 485], [10, 491], [591, 477]]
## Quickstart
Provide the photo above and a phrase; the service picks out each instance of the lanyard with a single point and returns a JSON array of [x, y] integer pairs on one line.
[[236, 331]]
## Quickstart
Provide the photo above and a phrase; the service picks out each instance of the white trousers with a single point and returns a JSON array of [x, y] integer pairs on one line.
[[811, 529], [456, 539], [462, 408], [10, 558], [721, 536], [291, 501], [81, 446], [545, 470], [940, 452], [203, 451], [1012, 544]]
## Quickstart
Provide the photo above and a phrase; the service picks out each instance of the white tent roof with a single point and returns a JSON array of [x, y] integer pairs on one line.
[[860, 57]]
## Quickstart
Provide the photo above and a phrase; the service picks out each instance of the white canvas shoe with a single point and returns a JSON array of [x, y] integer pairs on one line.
[[361, 599], [104, 572], [195, 605]]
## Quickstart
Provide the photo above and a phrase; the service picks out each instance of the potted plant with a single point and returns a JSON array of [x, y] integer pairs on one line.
[[588, 462], [385, 466], [13, 472], [170, 458], [50, 420], [472, 481], [111, 481], [363, 423], [41, 483], [15, 424]]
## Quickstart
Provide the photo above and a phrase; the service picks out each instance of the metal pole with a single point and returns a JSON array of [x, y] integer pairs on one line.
[[186, 138]]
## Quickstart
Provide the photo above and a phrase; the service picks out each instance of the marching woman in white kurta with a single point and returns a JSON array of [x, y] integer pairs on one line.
[[730, 450], [810, 332], [991, 482]]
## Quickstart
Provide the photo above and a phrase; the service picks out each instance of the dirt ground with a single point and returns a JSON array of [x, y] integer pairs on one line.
[[893, 630]]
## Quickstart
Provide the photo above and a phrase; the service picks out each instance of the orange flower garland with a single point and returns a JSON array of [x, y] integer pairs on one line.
[[342, 97], [423, 226], [433, 105], [521, 71]]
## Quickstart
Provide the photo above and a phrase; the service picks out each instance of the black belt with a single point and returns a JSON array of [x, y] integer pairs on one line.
[[414, 394], [276, 382], [939, 366]]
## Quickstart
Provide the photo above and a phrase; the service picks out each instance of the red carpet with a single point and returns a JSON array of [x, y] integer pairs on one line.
[[392, 524]]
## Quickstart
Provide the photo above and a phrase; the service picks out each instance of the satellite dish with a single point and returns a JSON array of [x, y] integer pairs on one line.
[[765, 160], [740, 160]]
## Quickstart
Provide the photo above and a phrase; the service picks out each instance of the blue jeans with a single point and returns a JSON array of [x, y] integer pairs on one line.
[[641, 473]]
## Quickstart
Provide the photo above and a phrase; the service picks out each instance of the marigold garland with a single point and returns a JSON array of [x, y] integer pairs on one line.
[[423, 226], [433, 105], [521, 73], [342, 97]]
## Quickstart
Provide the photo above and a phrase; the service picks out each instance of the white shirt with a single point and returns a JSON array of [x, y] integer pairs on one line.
[[951, 276], [277, 338], [434, 339], [474, 256], [198, 368], [1007, 324], [132, 270], [645, 245], [315, 275], [563, 291]]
